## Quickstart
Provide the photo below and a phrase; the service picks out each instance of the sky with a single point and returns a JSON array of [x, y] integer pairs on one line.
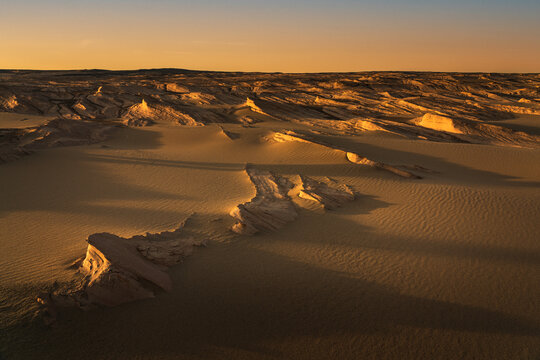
[[272, 35]]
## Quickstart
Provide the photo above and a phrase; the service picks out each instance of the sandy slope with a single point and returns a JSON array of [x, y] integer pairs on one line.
[[120, 189], [442, 267]]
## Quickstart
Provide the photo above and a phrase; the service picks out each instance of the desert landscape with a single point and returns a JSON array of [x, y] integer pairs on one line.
[[176, 214]]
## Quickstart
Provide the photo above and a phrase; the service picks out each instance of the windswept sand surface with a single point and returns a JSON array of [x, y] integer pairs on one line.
[[346, 216]]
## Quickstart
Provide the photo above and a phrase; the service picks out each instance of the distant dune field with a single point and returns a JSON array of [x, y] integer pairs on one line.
[[172, 214]]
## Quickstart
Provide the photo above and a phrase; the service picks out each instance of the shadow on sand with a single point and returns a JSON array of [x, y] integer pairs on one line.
[[234, 299]]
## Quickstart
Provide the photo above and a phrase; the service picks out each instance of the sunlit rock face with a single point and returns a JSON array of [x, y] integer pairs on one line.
[[118, 270], [270, 209], [439, 123]]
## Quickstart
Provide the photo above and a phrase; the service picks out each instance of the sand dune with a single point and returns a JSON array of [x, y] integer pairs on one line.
[[368, 215]]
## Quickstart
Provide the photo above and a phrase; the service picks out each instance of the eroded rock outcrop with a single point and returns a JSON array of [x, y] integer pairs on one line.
[[474, 131], [361, 160], [330, 197], [143, 114], [270, 209], [428, 106], [272, 206], [253, 107], [8, 103], [57, 132], [439, 123], [118, 270]]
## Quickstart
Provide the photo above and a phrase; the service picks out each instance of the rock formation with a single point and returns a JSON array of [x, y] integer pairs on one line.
[[439, 123], [270, 209], [361, 160], [427, 106], [143, 114], [330, 197], [117, 270], [57, 132]]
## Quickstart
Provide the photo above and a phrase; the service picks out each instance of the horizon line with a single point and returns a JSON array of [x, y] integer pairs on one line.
[[266, 72]]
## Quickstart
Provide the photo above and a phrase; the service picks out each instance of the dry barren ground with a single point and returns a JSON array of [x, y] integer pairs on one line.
[[264, 216]]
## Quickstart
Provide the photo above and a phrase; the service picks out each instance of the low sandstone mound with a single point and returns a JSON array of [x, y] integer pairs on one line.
[[368, 125], [361, 160], [473, 131], [118, 270], [439, 123], [198, 98], [272, 206], [498, 135], [330, 197], [56, 132], [286, 136], [143, 114], [65, 132], [176, 88], [269, 210], [253, 107], [8, 103]]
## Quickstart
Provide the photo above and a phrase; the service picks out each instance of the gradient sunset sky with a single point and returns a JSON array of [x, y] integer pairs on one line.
[[277, 35]]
